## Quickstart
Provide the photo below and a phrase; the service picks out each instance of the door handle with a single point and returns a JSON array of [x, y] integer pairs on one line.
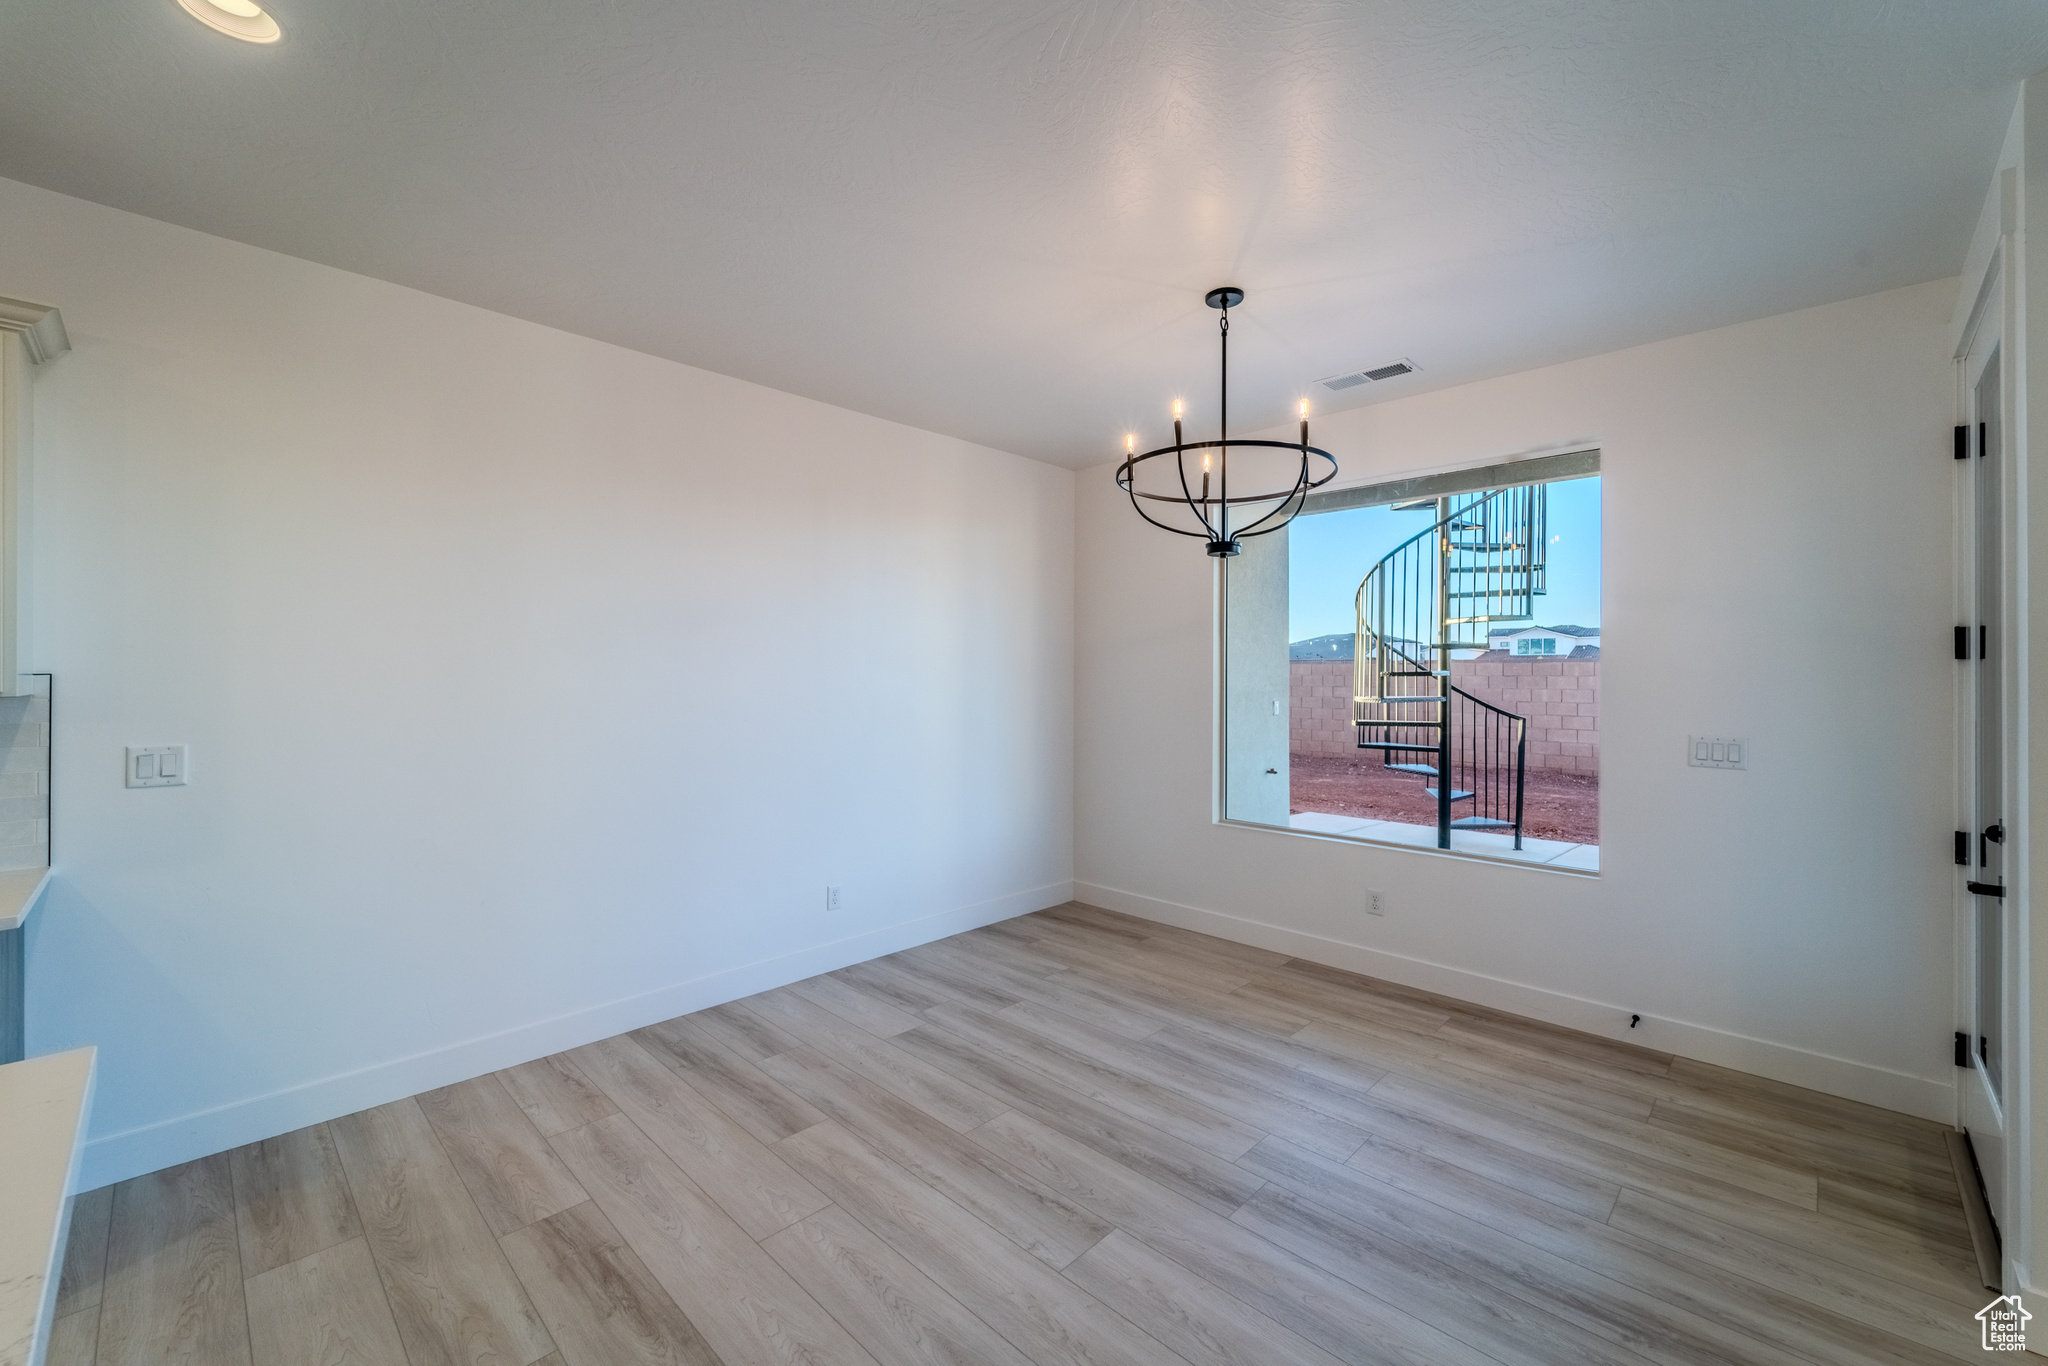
[[1986, 889]]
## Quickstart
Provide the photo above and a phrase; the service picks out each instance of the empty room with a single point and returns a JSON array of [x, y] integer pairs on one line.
[[924, 684]]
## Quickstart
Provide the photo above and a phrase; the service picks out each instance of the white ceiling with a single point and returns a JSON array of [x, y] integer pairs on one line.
[[996, 218]]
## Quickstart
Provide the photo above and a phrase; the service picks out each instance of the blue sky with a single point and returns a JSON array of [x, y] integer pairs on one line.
[[1328, 554]]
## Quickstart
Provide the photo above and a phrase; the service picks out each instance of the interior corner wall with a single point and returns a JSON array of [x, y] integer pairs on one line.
[[1784, 483], [536, 688]]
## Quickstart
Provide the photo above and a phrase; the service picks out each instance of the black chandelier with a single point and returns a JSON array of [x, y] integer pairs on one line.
[[1212, 512]]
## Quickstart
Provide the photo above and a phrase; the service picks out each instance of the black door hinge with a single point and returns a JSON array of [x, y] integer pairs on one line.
[[1996, 889], [1962, 442], [1962, 1049], [1962, 848], [1962, 642]]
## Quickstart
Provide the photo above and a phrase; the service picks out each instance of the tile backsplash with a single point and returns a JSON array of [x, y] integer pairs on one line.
[[25, 780]]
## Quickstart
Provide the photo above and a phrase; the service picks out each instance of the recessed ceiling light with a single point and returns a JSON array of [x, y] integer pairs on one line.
[[242, 19]]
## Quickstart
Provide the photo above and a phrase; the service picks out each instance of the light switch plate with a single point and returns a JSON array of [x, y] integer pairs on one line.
[[1716, 751], [158, 765]]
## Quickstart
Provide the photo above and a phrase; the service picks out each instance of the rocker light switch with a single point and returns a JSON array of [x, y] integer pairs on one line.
[[1716, 751], [157, 766]]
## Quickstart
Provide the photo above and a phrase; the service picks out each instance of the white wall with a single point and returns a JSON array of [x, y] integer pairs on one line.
[[535, 688], [1783, 482]]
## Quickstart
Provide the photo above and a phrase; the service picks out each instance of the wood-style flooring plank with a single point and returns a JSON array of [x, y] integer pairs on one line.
[[75, 1338], [1209, 1181], [940, 971], [1354, 1211], [324, 1309], [1174, 996], [291, 1198], [1798, 1329], [1888, 1254], [85, 1252], [1927, 1220], [1248, 1066], [1705, 1079], [173, 1291], [1185, 1312], [1441, 1062], [939, 1094], [1036, 1219], [1186, 1119], [1177, 971], [1064, 991], [454, 1297], [747, 1307], [896, 1311], [1508, 1329], [750, 1097], [597, 1297], [855, 1006], [746, 1178], [1922, 1316], [1611, 1153], [1049, 1319], [1535, 1038], [745, 1033], [1258, 1108], [899, 988], [1155, 931], [1381, 989], [1331, 1312], [555, 1094], [512, 1174]]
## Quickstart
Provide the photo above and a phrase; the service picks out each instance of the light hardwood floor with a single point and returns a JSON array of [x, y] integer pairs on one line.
[[1073, 1138]]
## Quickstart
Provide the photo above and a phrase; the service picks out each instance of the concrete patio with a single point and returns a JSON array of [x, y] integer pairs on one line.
[[1584, 858]]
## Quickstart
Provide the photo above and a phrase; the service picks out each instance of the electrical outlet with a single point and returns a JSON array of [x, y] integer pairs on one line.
[[158, 765], [831, 898], [1716, 751], [1375, 904]]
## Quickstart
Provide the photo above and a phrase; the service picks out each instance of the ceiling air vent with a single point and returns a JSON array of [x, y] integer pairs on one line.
[[1357, 377]]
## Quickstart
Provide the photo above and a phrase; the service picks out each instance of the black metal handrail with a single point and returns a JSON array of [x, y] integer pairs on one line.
[[1487, 755], [1481, 561]]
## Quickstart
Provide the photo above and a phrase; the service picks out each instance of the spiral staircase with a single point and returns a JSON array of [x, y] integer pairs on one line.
[[1440, 591]]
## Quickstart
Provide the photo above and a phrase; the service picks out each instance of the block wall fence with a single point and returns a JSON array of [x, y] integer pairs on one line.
[[1561, 698]]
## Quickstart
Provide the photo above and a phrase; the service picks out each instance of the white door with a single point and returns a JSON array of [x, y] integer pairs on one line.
[[1986, 686]]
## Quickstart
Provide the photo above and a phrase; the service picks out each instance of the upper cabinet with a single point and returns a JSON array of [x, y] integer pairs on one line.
[[31, 334]]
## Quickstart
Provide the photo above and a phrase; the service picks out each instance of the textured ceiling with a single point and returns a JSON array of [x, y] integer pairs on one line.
[[996, 218]]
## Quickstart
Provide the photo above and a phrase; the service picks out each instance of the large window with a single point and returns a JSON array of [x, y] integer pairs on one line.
[[1397, 633]]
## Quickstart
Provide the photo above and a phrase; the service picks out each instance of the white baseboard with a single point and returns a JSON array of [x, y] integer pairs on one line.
[[152, 1147], [1926, 1097]]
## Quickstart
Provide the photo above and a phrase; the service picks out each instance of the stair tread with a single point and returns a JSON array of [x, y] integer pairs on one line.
[[1478, 823], [1413, 768], [1456, 795]]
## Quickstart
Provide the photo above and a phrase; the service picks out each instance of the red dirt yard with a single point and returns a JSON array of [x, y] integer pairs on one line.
[[1557, 806]]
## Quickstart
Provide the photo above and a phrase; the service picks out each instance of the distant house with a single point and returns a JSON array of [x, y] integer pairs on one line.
[[1544, 642]]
